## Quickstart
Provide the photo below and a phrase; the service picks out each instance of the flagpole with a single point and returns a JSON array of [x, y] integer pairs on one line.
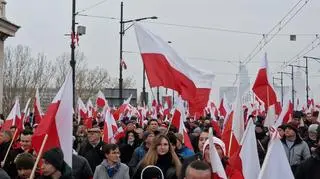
[[38, 157], [5, 157], [230, 143]]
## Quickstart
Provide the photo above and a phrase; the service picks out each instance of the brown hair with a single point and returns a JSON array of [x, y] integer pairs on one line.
[[152, 156]]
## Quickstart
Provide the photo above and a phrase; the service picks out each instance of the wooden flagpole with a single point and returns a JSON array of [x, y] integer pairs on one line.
[[8, 150], [38, 157]]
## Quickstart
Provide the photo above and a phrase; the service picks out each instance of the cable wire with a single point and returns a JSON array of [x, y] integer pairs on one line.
[[92, 6]]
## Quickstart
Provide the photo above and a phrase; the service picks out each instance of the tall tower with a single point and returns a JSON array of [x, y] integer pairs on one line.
[[7, 29]]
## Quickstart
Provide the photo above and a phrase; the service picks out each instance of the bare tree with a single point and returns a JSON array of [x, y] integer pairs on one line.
[[23, 73]]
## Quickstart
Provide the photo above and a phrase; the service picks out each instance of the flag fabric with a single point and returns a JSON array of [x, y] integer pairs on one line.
[[270, 117], [177, 121], [82, 110], [216, 165], [123, 64], [249, 154], [14, 117], [164, 67], [101, 100], [262, 87], [57, 123], [275, 164], [37, 111], [25, 115], [222, 110], [125, 106], [107, 129], [286, 114]]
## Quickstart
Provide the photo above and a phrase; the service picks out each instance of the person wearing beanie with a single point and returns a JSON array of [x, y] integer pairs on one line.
[[295, 148], [111, 167], [312, 137], [24, 163], [232, 173], [310, 168], [53, 165]]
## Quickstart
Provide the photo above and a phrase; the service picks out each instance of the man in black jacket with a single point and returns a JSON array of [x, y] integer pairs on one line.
[[311, 167], [92, 148]]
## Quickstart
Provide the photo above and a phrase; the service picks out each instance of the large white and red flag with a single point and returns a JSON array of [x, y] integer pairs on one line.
[[177, 121], [262, 87], [57, 123], [108, 132], [164, 67], [82, 110], [14, 117], [276, 163]]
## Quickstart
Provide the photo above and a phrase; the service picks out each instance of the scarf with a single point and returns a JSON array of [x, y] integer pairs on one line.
[[111, 170]]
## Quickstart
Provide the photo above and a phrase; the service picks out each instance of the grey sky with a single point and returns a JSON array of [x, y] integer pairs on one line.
[[44, 24]]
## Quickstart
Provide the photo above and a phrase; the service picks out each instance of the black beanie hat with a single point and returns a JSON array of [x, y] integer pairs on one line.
[[54, 156], [24, 161]]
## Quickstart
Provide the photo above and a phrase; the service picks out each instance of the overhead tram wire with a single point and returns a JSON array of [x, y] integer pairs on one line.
[[92, 6], [278, 27]]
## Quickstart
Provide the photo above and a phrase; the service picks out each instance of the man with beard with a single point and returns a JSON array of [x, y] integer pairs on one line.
[[311, 167]]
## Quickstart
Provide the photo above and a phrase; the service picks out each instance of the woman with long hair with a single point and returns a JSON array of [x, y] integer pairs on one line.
[[131, 142], [162, 155]]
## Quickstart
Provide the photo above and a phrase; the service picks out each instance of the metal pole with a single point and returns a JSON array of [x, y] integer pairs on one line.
[[292, 79], [120, 64], [307, 81], [144, 99], [73, 61], [282, 88], [158, 95]]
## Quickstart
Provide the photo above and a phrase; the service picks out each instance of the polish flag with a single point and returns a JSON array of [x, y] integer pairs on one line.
[[216, 165], [177, 121], [90, 108], [37, 111], [286, 114], [101, 100], [82, 110], [262, 87], [108, 132], [57, 123], [125, 106], [25, 114], [14, 118], [164, 67], [276, 163], [222, 110], [247, 159], [143, 114]]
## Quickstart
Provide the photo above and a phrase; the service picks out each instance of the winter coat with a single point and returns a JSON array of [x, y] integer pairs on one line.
[[126, 151], [166, 165], [262, 147], [94, 155], [80, 167], [309, 169], [137, 156], [101, 172], [3, 174], [298, 152]]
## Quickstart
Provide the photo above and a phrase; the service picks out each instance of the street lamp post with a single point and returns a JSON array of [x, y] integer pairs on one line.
[[122, 31], [72, 60]]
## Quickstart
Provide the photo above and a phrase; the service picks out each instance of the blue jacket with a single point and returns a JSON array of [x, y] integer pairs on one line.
[[185, 152]]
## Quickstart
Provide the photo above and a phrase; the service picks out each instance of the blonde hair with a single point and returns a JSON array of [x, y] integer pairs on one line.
[[151, 156]]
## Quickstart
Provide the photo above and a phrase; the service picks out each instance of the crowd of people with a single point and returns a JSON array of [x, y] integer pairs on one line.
[[156, 150]]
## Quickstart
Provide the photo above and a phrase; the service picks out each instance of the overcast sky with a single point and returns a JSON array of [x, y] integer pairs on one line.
[[44, 23]]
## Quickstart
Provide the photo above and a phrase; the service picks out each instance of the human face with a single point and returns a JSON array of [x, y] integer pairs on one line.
[[206, 154], [179, 144], [312, 136], [219, 150], [130, 137], [296, 121], [154, 125], [202, 139], [281, 132], [93, 137], [288, 132], [150, 138], [130, 127], [197, 174], [47, 168], [163, 147], [24, 173], [25, 141], [139, 131], [113, 157], [309, 117]]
